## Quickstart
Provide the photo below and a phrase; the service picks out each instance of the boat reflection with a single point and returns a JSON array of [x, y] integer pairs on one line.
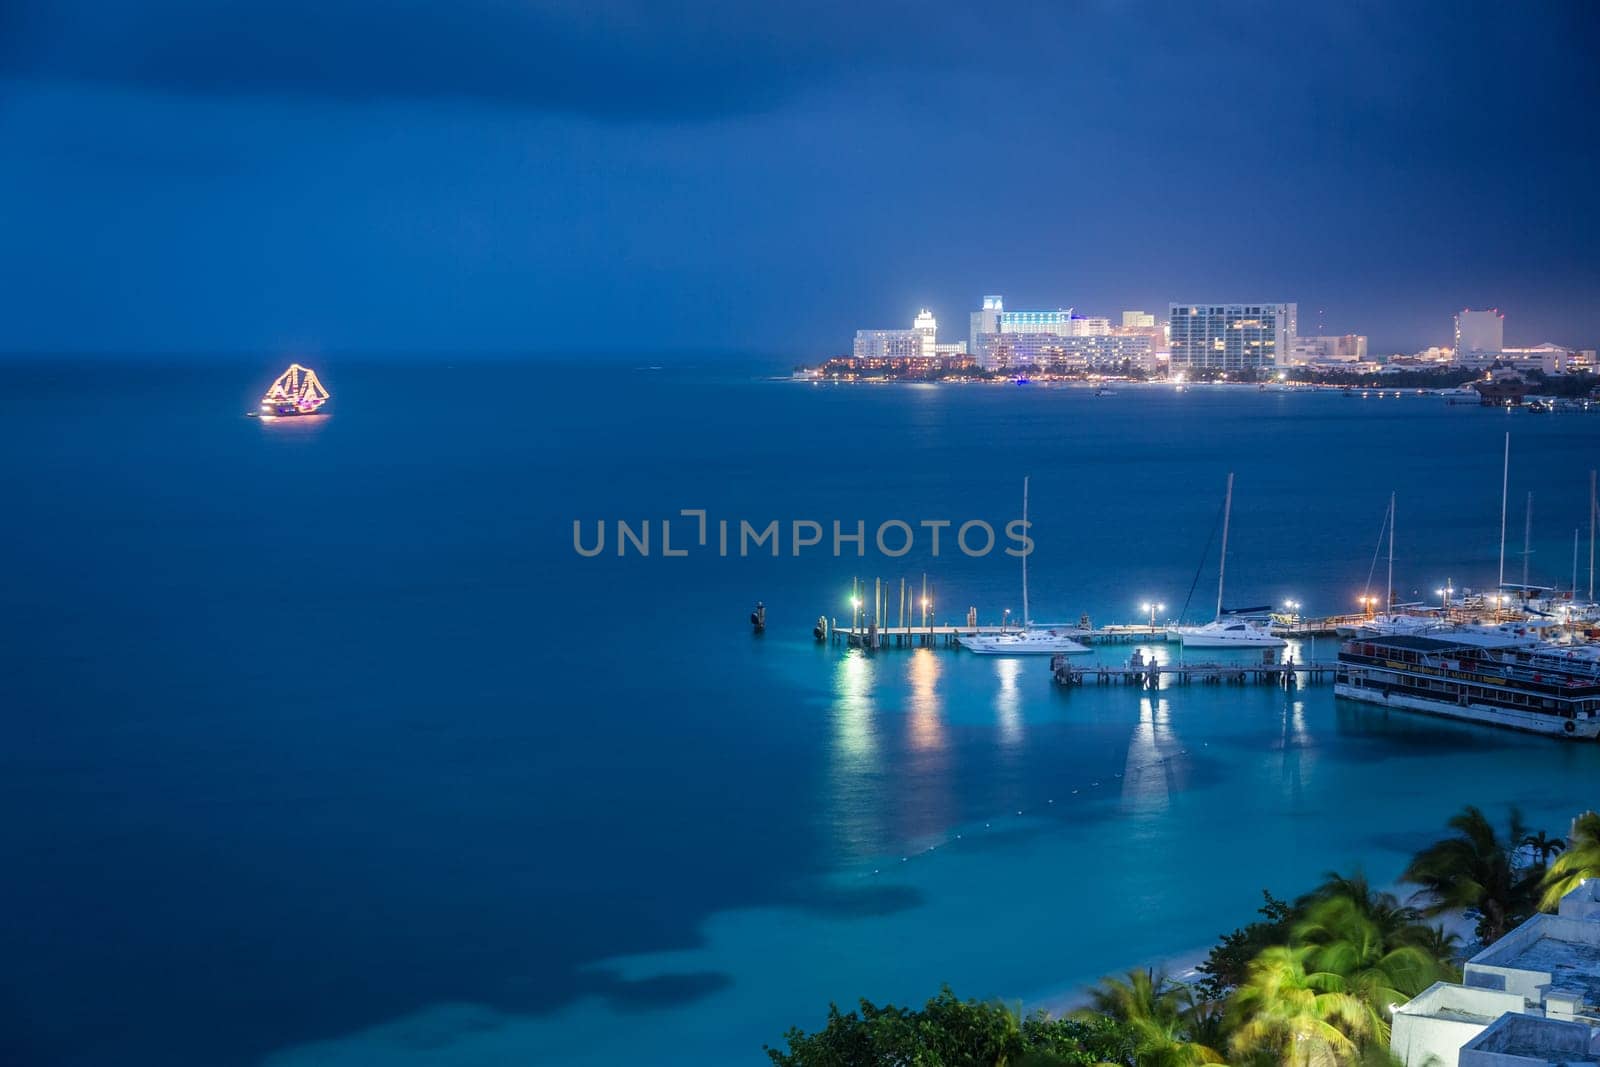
[[1008, 701], [855, 733], [1295, 749], [855, 811]]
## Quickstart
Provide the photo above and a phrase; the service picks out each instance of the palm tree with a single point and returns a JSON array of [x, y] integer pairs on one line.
[[1543, 846], [1476, 869], [1580, 860], [1294, 1016], [1159, 1014], [1443, 946], [1375, 945]]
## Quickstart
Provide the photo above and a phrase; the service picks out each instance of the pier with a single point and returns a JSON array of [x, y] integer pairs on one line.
[[875, 637]]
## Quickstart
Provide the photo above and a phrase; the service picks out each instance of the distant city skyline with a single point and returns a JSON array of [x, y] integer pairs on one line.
[[997, 312], [561, 178]]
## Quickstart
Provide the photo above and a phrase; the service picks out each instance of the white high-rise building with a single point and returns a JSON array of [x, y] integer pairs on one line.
[[1137, 318], [1233, 338], [985, 321], [1480, 336], [927, 328]]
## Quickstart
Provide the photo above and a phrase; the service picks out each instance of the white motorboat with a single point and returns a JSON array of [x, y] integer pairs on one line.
[[1025, 642], [1029, 639], [1226, 631]]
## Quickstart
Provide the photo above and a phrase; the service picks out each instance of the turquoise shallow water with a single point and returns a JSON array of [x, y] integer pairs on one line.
[[331, 750]]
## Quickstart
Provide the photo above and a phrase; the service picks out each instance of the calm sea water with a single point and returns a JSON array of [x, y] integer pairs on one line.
[[324, 747]]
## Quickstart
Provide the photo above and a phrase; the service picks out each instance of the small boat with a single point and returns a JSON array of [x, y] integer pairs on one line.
[[1227, 630], [1029, 640], [297, 391]]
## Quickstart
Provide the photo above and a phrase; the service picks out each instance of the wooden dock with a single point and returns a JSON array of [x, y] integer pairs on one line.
[[876, 637]]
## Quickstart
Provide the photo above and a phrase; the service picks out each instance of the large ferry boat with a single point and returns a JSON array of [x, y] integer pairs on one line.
[[1537, 690]]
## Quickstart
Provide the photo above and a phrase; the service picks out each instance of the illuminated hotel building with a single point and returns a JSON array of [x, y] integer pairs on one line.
[[887, 344], [921, 341], [1233, 338], [1049, 351], [985, 321]]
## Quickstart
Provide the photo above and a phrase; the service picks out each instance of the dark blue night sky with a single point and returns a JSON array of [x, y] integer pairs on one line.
[[180, 175]]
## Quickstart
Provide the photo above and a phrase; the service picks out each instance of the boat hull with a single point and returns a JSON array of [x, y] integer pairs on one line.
[[1483, 714], [1003, 645]]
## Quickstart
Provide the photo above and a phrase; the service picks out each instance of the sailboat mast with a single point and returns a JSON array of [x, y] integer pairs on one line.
[[1505, 482], [1222, 566], [1527, 543], [1025, 618], [1591, 536], [1388, 593]]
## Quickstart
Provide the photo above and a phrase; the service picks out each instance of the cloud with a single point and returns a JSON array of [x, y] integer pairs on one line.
[[610, 60]]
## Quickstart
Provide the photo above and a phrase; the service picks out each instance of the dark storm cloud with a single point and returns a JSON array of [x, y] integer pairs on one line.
[[610, 60]]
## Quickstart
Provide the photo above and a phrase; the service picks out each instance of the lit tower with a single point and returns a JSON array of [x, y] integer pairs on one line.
[[927, 330]]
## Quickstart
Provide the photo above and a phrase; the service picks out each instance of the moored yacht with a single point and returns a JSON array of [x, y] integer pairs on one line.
[[1226, 631], [1029, 640]]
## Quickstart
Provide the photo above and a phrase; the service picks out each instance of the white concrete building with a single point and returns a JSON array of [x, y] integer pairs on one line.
[[1548, 358], [1533, 997], [1480, 335], [887, 344], [1232, 337], [927, 327], [921, 340], [986, 320], [1048, 351], [1138, 318]]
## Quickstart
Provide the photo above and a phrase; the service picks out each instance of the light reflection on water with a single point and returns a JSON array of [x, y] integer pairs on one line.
[[1008, 700], [854, 704], [926, 717], [857, 816], [1154, 752]]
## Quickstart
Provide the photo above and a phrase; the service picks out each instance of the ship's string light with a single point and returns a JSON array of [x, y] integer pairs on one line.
[[300, 387]]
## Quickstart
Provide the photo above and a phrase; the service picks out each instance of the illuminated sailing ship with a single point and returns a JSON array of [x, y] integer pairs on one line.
[[296, 392]]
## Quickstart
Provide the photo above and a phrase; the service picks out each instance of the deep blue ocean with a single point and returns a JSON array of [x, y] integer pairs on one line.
[[324, 746]]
